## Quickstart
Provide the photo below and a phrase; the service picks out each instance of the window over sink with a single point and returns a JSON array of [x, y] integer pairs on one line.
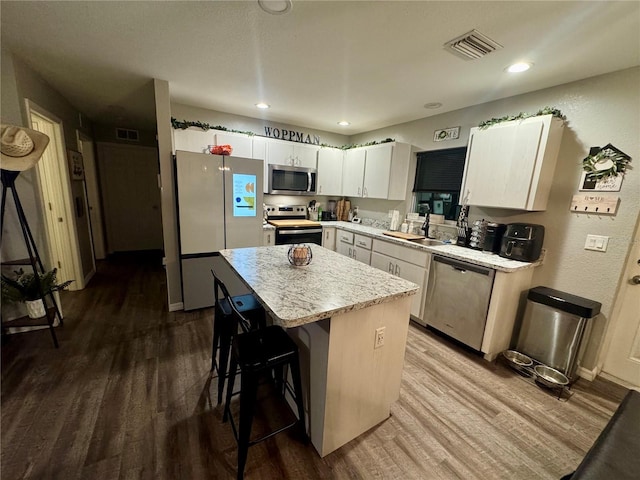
[[438, 180]]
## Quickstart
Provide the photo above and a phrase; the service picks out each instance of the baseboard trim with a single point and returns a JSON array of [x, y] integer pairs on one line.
[[588, 374], [619, 381], [176, 306]]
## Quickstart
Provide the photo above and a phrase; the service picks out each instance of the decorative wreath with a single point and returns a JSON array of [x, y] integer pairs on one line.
[[607, 162]]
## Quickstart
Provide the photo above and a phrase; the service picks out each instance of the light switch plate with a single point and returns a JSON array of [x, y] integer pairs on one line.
[[597, 243]]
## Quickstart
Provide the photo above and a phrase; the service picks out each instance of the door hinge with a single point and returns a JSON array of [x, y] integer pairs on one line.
[[50, 207], [59, 264]]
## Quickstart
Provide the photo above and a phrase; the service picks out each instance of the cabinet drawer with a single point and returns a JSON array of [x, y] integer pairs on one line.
[[345, 237], [362, 255], [408, 254], [362, 241]]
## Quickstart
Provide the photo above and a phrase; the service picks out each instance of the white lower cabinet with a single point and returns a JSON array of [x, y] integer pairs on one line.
[[329, 238], [268, 238], [353, 245], [404, 262], [362, 248]]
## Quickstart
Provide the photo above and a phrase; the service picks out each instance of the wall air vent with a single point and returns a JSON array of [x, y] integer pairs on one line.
[[472, 45], [126, 134]]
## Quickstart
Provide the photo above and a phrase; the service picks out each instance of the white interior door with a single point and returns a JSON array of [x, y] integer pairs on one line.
[[622, 359], [55, 194]]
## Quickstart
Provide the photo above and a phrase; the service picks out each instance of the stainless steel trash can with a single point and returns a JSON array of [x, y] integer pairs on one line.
[[555, 328]]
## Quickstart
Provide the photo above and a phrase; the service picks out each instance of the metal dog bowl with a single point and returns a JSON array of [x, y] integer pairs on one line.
[[550, 377], [518, 361], [517, 358]]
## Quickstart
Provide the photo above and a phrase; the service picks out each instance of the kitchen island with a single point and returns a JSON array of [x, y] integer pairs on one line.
[[350, 322]]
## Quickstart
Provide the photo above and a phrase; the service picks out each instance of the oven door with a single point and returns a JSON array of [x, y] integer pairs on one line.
[[291, 235]]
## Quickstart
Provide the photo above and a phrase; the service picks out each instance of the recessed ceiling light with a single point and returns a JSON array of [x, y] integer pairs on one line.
[[519, 67], [432, 105], [344, 123], [275, 7], [262, 105]]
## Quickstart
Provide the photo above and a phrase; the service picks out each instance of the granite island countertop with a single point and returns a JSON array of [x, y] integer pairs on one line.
[[332, 284]]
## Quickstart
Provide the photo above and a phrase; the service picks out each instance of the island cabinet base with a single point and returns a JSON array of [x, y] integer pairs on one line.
[[349, 385]]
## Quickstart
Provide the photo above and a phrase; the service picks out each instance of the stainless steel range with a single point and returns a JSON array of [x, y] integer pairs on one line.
[[292, 225]]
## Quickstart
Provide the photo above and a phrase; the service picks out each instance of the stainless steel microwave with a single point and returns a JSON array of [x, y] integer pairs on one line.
[[289, 180]]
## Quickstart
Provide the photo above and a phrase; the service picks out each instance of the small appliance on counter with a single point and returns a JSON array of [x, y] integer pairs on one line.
[[493, 237], [522, 241]]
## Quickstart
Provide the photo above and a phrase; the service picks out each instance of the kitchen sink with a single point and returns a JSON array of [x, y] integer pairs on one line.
[[430, 242]]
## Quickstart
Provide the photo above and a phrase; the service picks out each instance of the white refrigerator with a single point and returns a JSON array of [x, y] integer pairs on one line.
[[220, 203]]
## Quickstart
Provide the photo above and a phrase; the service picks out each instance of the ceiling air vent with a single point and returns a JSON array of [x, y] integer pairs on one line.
[[472, 45], [126, 134]]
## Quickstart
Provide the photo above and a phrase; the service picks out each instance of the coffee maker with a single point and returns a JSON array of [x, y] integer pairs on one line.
[[330, 213], [522, 241]]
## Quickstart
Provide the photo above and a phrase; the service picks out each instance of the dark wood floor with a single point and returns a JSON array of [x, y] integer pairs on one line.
[[128, 396]]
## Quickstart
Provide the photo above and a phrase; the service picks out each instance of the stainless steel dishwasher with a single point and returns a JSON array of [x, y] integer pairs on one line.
[[457, 300]]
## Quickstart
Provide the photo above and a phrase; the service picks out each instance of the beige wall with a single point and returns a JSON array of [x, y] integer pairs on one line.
[[19, 82], [599, 110]]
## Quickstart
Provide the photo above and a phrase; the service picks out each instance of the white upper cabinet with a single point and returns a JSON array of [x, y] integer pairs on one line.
[[330, 171], [281, 152], [192, 139], [259, 149], [377, 171], [511, 164], [241, 143], [353, 172]]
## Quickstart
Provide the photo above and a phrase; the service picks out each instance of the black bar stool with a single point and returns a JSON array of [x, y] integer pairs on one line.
[[225, 325], [256, 353]]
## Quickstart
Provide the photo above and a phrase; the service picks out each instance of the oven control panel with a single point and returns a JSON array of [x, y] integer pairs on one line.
[[286, 211]]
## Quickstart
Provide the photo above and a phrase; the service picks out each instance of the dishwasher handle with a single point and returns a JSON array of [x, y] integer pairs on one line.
[[463, 266]]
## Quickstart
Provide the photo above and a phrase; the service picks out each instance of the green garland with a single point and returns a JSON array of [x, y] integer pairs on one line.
[[521, 116], [368, 144], [184, 124], [619, 165]]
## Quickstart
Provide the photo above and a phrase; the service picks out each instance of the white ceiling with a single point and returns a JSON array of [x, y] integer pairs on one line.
[[374, 63]]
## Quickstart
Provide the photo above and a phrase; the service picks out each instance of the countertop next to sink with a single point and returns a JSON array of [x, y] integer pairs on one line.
[[491, 260]]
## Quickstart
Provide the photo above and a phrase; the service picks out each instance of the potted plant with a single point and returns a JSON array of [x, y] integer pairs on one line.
[[28, 288]]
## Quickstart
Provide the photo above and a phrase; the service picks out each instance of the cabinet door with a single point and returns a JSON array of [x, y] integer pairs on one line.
[[414, 274], [383, 262], [500, 164], [345, 249], [259, 152], [330, 171], [362, 255], [353, 172], [329, 238], [241, 144], [305, 155], [408, 271], [377, 171], [279, 152], [268, 237]]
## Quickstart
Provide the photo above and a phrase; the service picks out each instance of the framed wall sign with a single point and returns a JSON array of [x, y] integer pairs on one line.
[[76, 165], [607, 184], [446, 134]]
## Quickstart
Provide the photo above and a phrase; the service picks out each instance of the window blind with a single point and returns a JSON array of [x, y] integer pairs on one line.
[[440, 170]]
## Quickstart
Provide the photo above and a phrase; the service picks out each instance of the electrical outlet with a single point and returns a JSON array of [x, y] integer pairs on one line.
[[379, 340]]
